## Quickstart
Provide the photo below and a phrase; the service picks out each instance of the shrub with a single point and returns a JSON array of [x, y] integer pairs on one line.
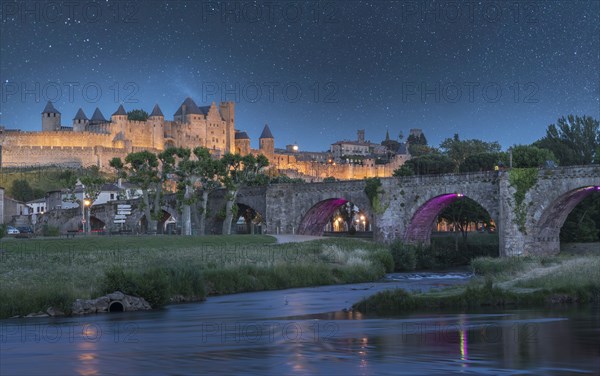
[[404, 256], [384, 258], [152, 285]]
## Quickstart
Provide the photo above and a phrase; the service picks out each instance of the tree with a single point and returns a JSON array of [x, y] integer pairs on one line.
[[208, 172], [417, 150], [417, 145], [92, 181], [176, 165], [483, 162], [529, 156], [404, 170], [574, 140], [238, 172], [463, 212], [142, 168], [284, 179], [139, 115], [417, 140], [459, 150], [428, 164], [583, 223], [21, 190]]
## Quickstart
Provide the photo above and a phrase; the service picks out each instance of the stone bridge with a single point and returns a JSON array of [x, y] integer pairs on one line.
[[408, 207]]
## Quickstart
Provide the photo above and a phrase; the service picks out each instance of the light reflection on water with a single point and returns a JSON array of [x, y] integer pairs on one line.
[[305, 332]]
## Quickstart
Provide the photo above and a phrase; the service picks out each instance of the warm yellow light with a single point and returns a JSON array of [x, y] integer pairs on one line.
[[87, 202], [295, 147], [362, 217]]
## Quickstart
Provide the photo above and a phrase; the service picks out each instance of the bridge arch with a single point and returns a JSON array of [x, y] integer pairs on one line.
[[552, 214], [249, 220], [167, 213], [97, 224], [419, 228], [313, 222]]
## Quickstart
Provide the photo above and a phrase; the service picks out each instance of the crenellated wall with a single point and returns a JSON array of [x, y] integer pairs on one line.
[[56, 139]]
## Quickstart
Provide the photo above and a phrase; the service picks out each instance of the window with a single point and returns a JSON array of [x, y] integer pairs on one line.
[[112, 196]]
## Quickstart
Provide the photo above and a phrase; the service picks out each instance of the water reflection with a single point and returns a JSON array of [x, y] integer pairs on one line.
[[87, 358], [258, 334]]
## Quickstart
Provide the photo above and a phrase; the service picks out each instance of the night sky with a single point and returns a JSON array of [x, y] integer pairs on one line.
[[314, 71]]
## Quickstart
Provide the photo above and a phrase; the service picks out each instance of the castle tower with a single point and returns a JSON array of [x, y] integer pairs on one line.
[[98, 122], [186, 111], [97, 117], [227, 110], [119, 115], [50, 118], [156, 120], [361, 135], [80, 121], [267, 143], [242, 143], [118, 122]]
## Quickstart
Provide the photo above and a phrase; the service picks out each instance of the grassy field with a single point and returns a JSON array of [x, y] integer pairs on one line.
[[512, 282], [38, 273]]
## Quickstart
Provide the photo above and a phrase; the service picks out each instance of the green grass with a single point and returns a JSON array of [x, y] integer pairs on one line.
[[515, 282], [46, 178], [38, 273]]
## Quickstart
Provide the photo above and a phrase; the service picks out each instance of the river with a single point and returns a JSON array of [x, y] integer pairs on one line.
[[307, 331]]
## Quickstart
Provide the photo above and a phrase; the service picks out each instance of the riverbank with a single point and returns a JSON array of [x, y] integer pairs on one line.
[[516, 282], [36, 274]]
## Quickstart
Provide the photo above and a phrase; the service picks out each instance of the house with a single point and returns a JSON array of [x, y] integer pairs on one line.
[[37, 206]]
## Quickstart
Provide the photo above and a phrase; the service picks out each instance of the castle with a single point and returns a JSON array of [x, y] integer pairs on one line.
[[96, 140]]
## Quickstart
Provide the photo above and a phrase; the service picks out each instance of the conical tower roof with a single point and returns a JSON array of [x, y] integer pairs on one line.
[[190, 108], [120, 111], [80, 115], [266, 133], [49, 109], [156, 111], [97, 116]]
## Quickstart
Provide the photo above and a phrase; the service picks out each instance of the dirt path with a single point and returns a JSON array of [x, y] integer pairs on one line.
[[295, 238]]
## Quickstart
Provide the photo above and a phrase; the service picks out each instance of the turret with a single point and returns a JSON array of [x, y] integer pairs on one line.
[[50, 118], [227, 110], [97, 117], [361, 135], [267, 143], [186, 111], [242, 143], [80, 121], [156, 120], [119, 115]]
